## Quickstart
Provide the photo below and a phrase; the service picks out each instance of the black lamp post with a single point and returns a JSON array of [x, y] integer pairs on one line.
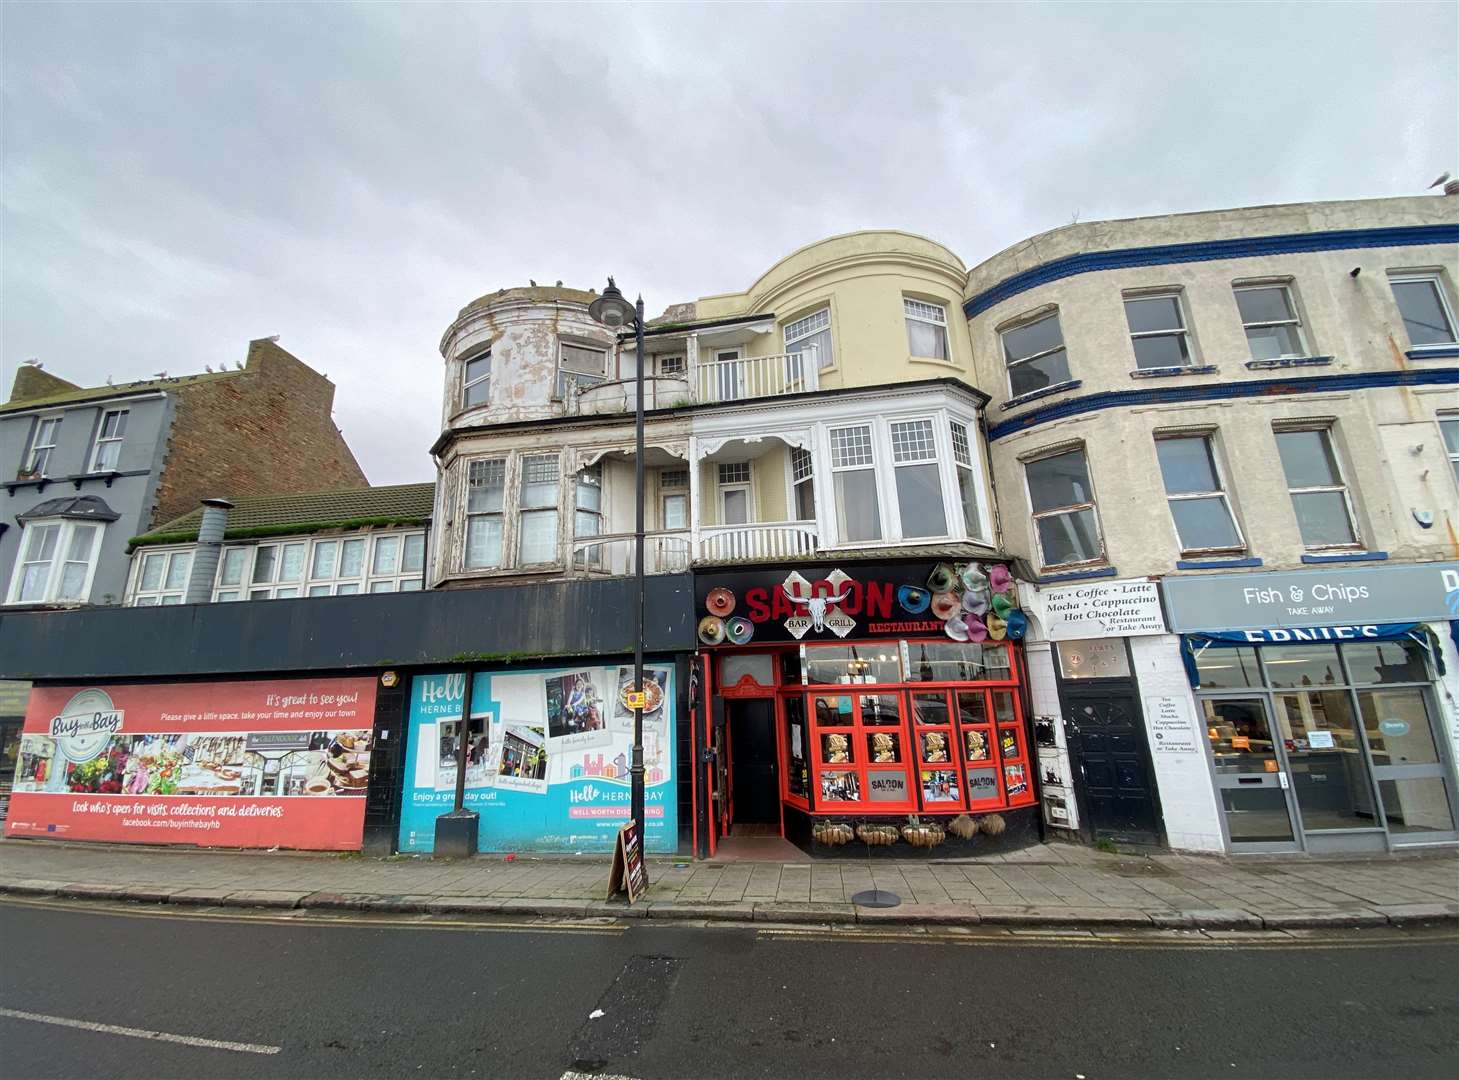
[[614, 311]]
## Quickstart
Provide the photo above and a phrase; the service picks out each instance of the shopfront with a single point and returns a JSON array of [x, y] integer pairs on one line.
[[862, 708], [1326, 736]]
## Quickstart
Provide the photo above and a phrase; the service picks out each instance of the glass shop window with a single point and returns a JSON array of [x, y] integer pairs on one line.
[[758, 669], [849, 664], [1227, 669], [797, 757], [956, 662]]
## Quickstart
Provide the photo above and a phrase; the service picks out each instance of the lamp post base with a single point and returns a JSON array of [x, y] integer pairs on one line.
[[456, 834]]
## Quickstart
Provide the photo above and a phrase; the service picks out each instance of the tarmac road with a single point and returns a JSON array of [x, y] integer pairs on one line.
[[322, 996]]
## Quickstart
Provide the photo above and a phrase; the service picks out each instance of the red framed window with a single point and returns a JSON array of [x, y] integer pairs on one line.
[[859, 747]]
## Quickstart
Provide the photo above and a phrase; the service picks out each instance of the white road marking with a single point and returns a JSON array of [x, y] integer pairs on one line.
[[571, 1075], [141, 1033]]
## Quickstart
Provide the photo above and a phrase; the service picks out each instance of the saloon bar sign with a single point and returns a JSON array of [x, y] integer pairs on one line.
[[963, 601]]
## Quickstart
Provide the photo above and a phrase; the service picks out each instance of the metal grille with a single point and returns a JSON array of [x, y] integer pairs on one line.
[[962, 453], [800, 463], [811, 324], [916, 309], [913, 441], [850, 446], [736, 473]]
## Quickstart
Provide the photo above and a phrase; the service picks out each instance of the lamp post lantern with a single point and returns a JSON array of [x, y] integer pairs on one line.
[[613, 311]]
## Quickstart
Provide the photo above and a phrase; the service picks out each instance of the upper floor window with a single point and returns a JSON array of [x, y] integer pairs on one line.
[[162, 578], [919, 479], [109, 435], [673, 498], [1425, 309], [926, 328], [853, 472], [580, 365], [56, 563], [386, 561], [537, 510], [1269, 317], [812, 333], [1035, 356], [1449, 425], [1062, 500], [1158, 331], [1196, 495], [671, 366], [1319, 492], [42, 442], [485, 503], [476, 381], [734, 493], [967, 477], [588, 510], [803, 484]]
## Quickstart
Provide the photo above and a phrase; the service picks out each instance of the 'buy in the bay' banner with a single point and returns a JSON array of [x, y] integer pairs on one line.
[[249, 763]]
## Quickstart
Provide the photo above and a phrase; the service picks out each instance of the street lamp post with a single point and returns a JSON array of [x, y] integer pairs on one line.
[[613, 311]]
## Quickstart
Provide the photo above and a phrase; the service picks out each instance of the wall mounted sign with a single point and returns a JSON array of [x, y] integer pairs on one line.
[[1101, 609], [1424, 592], [1171, 725]]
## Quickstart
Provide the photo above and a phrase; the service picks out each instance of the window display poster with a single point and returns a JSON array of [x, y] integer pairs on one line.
[[547, 767], [247, 763]]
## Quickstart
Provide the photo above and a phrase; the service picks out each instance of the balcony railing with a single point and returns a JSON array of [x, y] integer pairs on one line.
[[757, 376], [612, 554], [760, 540], [620, 395]]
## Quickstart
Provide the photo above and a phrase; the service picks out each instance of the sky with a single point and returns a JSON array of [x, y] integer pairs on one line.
[[179, 179]]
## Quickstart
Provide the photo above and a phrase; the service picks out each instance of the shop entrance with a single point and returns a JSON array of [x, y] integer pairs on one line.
[[1109, 753], [754, 769]]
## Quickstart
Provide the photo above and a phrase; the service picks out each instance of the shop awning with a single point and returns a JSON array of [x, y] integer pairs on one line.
[[1192, 645]]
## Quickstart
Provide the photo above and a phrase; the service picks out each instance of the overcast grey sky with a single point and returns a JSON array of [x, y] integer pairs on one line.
[[178, 179]]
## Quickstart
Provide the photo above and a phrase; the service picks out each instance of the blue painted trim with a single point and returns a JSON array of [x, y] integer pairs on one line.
[[1289, 361], [1047, 391], [1348, 556], [1170, 372], [1222, 391], [1206, 251], [1214, 564], [1076, 575], [1432, 351]]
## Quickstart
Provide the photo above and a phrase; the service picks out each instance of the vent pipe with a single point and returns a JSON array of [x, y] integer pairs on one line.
[[205, 555]]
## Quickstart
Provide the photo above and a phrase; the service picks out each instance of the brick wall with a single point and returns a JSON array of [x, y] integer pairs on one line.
[[267, 432]]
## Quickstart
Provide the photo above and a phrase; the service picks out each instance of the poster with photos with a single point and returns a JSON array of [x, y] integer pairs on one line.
[[577, 716], [655, 680]]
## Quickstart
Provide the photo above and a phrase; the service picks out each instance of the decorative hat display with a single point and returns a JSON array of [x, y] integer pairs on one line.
[[711, 630], [999, 579], [1017, 625], [914, 599], [942, 578], [720, 602], [997, 628], [957, 629], [739, 630], [945, 605], [1002, 605], [976, 602], [976, 630]]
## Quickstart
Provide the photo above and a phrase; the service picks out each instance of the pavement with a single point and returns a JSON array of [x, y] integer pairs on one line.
[[1046, 885], [154, 991]]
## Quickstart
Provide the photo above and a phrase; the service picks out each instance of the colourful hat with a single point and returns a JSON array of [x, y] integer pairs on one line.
[[956, 629], [999, 578], [945, 605], [973, 577], [914, 599], [711, 630], [942, 578], [1017, 624], [739, 630], [976, 630], [997, 628], [720, 601], [975, 601], [1002, 605]]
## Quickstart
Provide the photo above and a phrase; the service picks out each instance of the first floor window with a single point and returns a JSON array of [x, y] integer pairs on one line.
[[588, 511], [1315, 483], [56, 562], [853, 471], [1425, 310], [1270, 320], [1035, 356], [44, 441], [967, 478], [476, 381], [734, 493], [1157, 331], [810, 334], [926, 328], [674, 499], [1449, 425], [1062, 500], [803, 482], [671, 366], [580, 366], [1197, 497], [108, 452], [537, 510], [919, 479], [485, 498], [162, 578]]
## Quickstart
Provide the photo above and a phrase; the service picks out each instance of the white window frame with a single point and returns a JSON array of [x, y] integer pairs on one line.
[[162, 595], [336, 583], [502, 514], [523, 460], [724, 487], [1287, 286], [1326, 430], [589, 556], [680, 370], [45, 427], [937, 456], [880, 480], [1102, 556], [1022, 322], [1436, 279], [796, 477], [809, 325], [67, 528], [571, 378], [1446, 422], [673, 490], [467, 383], [968, 462], [933, 314], [1182, 331], [1221, 491], [103, 439]]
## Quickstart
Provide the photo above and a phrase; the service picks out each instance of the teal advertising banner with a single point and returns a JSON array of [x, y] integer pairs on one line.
[[547, 758]]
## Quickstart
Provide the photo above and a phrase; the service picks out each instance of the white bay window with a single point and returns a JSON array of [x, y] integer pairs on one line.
[[918, 479], [537, 503], [56, 563], [853, 471]]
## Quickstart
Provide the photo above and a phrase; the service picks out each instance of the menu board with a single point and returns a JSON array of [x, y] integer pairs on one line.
[[628, 871]]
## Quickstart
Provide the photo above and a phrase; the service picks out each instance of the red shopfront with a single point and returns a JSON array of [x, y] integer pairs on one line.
[[843, 726]]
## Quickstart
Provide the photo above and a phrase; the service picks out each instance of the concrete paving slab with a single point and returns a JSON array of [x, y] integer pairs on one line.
[[266, 898]]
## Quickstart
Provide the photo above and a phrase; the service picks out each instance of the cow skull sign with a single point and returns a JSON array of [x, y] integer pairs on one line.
[[821, 610]]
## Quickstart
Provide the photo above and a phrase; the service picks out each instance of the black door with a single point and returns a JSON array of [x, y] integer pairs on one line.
[[1110, 759], [752, 757]]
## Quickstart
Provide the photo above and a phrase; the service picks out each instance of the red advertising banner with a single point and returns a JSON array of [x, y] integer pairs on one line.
[[256, 763]]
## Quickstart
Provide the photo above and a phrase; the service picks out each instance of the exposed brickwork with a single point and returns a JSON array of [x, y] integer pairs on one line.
[[268, 432], [31, 382]]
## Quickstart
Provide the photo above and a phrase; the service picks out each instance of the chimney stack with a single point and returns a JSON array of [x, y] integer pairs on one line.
[[205, 555]]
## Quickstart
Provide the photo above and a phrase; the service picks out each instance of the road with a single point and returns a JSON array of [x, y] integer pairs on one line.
[[348, 997]]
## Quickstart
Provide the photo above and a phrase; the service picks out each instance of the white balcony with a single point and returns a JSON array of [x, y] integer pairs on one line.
[[611, 555], [757, 540], [746, 377], [621, 395]]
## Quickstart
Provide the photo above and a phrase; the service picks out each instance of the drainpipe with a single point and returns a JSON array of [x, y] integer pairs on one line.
[[205, 555]]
